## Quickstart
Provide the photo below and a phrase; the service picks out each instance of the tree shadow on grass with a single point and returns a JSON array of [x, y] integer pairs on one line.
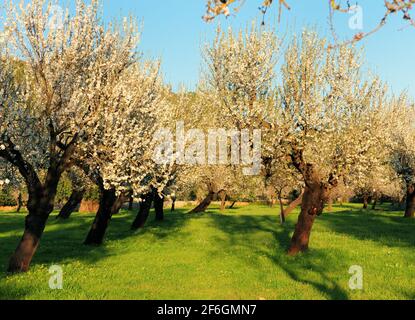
[[62, 241], [384, 228], [243, 231], [11, 222]]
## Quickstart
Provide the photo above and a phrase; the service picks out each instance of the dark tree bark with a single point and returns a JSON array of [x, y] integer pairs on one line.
[[375, 202], [159, 206], [143, 211], [205, 202], [107, 207], [72, 205], [316, 193], [121, 199], [130, 203], [312, 206], [282, 211], [410, 201], [173, 203], [35, 222], [232, 205], [40, 205]]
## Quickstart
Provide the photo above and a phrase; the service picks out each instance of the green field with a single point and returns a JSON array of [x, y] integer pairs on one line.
[[239, 254]]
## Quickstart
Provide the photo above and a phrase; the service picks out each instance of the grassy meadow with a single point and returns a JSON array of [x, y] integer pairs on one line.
[[236, 254]]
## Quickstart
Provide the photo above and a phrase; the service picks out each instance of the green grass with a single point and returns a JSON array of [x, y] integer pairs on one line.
[[239, 254]]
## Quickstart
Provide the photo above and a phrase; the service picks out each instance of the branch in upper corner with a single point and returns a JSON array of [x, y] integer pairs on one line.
[[222, 7]]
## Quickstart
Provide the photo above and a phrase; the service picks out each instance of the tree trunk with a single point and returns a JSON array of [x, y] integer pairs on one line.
[[375, 202], [41, 196], [19, 202], [410, 202], [107, 207], [22, 257], [40, 205], [282, 212], [222, 197], [130, 203], [232, 205], [294, 204], [121, 199], [72, 205], [312, 206], [143, 211], [206, 202], [159, 206], [173, 204], [365, 202]]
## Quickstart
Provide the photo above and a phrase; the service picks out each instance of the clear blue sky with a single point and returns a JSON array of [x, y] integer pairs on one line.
[[175, 32]]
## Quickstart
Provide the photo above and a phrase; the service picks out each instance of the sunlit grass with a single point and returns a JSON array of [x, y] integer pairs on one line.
[[238, 254]]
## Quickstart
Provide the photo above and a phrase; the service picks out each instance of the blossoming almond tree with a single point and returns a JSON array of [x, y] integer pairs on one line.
[[119, 140], [324, 120], [333, 122], [379, 181], [213, 169], [45, 121], [240, 73], [403, 150]]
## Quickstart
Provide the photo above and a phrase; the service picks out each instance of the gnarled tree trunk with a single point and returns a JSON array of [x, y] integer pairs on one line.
[[207, 201], [39, 211], [72, 205], [40, 205], [109, 204], [316, 193], [312, 206], [410, 201], [143, 212]]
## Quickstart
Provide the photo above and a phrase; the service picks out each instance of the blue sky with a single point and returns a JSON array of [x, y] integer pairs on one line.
[[175, 32]]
